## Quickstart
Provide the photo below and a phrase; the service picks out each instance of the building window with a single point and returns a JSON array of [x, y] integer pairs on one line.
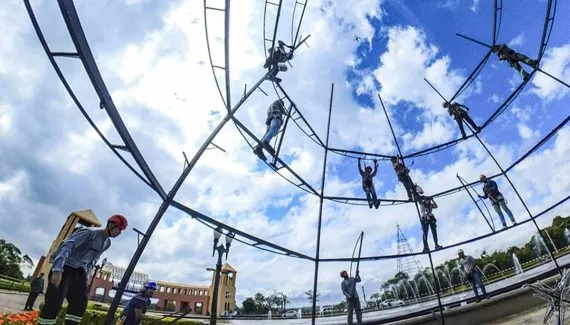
[[228, 294], [161, 289], [168, 290], [198, 307], [230, 276]]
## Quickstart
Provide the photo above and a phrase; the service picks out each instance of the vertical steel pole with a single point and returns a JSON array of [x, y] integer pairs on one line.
[[419, 218], [321, 197]]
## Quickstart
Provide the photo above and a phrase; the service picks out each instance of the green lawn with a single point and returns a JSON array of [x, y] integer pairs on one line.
[[14, 285]]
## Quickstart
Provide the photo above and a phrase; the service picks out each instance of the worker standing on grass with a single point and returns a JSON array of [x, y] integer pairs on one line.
[[137, 306], [72, 263]]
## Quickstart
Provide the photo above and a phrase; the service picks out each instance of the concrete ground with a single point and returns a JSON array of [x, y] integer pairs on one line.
[[531, 317], [11, 302]]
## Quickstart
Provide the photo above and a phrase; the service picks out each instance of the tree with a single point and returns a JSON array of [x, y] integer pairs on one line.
[[341, 306], [310, 296], [11, 259], [248, 306], [260, 303]]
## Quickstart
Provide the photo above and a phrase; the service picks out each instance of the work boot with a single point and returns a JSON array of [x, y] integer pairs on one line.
[[526, 76], [534, 63], [274, 78], [425, 250], [258, 151], [438, 246], [377, 204], [370, 204], [478, 129]]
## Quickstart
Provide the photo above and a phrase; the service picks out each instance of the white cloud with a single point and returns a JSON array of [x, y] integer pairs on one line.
[[495, 99], [556, 61], [475, 5], [526, 132], [408, 47], [517, 41]]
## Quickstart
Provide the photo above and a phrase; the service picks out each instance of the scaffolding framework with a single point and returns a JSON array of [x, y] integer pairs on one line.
[[141, 169]]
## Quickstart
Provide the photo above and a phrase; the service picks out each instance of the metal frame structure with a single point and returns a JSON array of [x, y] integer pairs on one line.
[[143, 171]]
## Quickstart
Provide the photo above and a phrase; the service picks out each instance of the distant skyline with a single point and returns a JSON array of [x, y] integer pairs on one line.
[[153, 58]]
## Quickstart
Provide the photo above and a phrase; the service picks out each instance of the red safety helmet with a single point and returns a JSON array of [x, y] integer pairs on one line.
[[119, 220]]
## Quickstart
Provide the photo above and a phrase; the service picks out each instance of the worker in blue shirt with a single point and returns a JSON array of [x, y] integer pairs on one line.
[[348, 287], [137, 306], [71, 264]]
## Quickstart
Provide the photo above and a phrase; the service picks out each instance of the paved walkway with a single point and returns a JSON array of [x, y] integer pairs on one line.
[[531, 317], [12, 302]]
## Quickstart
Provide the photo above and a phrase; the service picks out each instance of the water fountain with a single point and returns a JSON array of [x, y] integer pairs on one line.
[[429, 287], [491, 265], [517, 265], [405, 284], [567, 235], [539, 244], [448, 279], [414, 285], [394, 291]]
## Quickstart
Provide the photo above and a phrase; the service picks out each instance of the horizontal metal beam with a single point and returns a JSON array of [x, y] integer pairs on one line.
[[258, 241]]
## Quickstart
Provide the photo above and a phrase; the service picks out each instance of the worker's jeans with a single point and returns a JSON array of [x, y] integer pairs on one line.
[[501, 204], [370, 194], [477, 281], [272, 130], [354, 304]]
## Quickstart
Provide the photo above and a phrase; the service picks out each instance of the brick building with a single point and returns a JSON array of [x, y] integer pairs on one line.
[[173, 296]]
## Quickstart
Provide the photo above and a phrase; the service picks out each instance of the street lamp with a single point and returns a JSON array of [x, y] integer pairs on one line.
[[97, 268], [221, 249]]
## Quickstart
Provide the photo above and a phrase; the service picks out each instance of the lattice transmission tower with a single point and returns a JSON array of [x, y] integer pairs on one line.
[[406, 264]]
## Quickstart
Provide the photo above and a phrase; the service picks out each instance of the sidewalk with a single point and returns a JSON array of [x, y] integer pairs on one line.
[[13, 301]]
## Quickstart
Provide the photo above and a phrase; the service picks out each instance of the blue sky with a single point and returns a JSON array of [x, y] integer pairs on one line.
[[153, 58]]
